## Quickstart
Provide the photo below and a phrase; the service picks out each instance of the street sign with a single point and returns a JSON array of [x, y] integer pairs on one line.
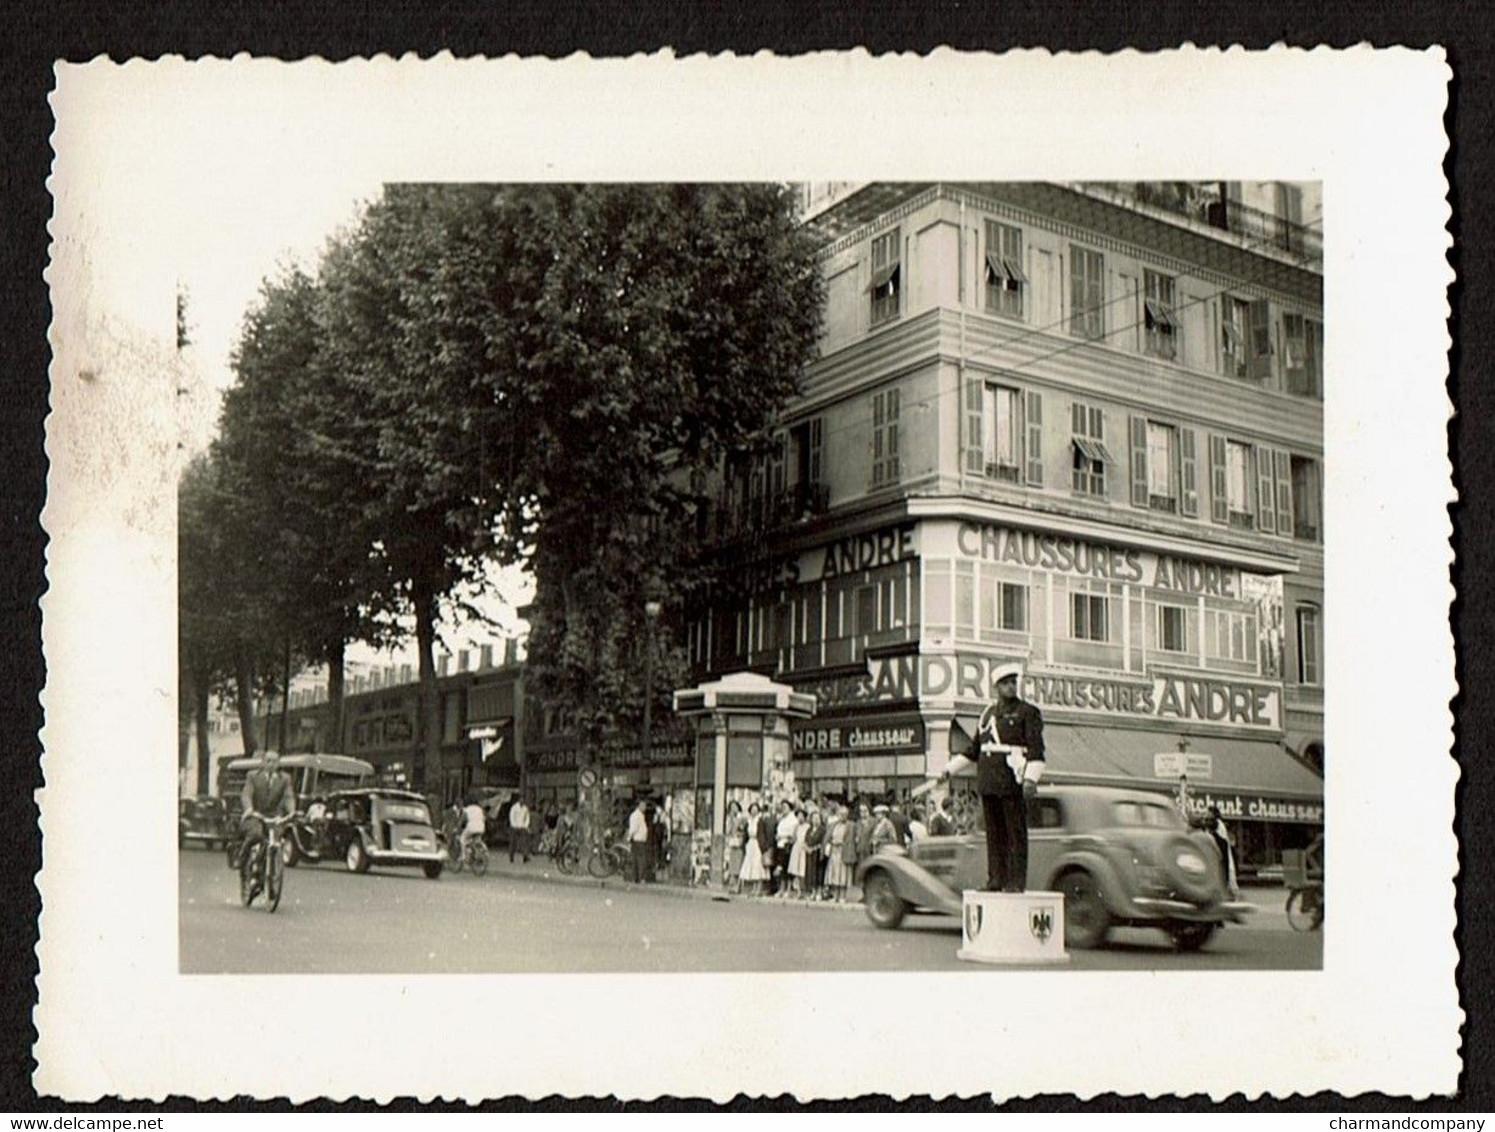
[[1175, 764], [587, 778], [489, 732]]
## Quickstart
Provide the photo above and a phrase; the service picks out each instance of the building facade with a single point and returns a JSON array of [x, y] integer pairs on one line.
[[1074, 425]]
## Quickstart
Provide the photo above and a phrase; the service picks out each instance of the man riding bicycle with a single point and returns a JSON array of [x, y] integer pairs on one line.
[[474, 823], [268, 793]]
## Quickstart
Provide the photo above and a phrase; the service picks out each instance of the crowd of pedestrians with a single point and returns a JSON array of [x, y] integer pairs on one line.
[[798, 849]]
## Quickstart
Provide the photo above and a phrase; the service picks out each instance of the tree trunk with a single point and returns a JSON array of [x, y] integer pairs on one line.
[[200, 695], [285, 701], [335, 653], [244, 688], [434, 780]]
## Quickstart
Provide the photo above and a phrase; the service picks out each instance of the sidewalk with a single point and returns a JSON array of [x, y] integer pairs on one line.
[[542, 868]]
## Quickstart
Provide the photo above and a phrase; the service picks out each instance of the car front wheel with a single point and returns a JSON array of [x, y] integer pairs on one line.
[[1086, 920], [885, 907], [1191, 937], [432, 869], [356, 859]]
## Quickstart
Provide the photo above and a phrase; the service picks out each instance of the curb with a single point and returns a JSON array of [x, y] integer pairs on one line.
[[550, 875]]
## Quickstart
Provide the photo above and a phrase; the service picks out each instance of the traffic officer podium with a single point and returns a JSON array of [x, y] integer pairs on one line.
[[1012, 927]]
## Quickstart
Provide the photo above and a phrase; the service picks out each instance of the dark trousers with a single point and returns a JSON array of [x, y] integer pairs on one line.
[[519, 843], [638, 854], [1006, 842]]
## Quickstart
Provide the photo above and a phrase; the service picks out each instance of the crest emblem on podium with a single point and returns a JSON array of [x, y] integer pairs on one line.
[[973, 920], [1041, 923]]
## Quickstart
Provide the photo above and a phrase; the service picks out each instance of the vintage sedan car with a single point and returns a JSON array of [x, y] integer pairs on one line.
[[1120, 857], [380, 826], [203, 820]]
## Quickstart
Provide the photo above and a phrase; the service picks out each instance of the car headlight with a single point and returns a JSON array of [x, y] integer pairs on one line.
[[1192, 863]]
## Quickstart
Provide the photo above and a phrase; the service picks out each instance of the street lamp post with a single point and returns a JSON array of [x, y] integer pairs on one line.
[[652, 610]]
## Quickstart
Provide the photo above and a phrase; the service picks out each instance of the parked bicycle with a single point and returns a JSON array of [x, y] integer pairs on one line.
[[602, 859], [262, 869]]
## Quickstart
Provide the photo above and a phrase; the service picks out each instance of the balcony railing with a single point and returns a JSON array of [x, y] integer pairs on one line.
[[794, 504]]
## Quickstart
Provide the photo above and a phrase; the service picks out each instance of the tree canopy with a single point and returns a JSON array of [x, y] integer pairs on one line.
[[535, 374]]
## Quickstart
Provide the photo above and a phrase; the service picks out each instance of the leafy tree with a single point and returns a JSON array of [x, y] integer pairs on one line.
[[424, 507], [615, 342], [298, 446]]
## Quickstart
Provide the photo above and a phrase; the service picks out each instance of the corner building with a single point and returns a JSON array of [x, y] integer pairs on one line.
[[1074, 425]]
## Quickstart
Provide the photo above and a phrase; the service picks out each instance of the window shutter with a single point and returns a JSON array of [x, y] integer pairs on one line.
[[975, 427], [1139, 461], [895, 398], [777, 464], [1260, 331], [1284, 493], [814, 461], [1034, 432], [1219, 503], [1266, 492], [1188, 473], [1076, 291]]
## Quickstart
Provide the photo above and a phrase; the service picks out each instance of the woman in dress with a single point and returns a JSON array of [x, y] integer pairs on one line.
[[815, 856], [797, 854], [736, 831], [837, 869], [752, 875]]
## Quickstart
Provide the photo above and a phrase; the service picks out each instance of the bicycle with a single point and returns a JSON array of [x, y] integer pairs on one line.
[[1305, 895], [469, 852], [263, 867]]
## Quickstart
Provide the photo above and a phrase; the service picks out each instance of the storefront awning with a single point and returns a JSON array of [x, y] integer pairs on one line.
[[1237, 765]]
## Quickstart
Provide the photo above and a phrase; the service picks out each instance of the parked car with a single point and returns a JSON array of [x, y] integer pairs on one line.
[[377, 825], [1120, 857], [204, 820]]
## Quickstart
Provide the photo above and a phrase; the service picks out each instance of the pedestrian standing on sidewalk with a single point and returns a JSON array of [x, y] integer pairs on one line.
[[841, 844], [942, 824], [752, 874], [783, 845], [884, 832], [638, 843], [815, 856], [865, 824], [799, 852], [735, 831], [766, 844], [917, 830], [519, 830]]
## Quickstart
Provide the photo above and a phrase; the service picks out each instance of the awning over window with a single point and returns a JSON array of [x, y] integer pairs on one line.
[[1093, 449], [883, 276], [1248, 767], [1005, 267], [1159, 314]]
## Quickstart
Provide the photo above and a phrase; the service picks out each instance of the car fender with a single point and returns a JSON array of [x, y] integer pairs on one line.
[[1112, 887], [912, 882]]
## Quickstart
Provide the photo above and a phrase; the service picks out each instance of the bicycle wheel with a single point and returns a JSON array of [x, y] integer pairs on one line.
[[567, 860], [600, 863], [1304, 909], [479, 860], [454, 858], [275, 871], [248, 871]]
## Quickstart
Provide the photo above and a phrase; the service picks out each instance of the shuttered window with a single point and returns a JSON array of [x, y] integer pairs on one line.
[[1005, 279], [887, 276], [1004, 437], [1302, 347], [1308, 645], [1033, 402], [1307, 498], [1159, 317], [1087, 293], [1238, 484], [1088, 438], [886, 406]]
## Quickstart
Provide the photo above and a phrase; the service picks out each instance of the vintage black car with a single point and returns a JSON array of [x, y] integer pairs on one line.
[[203, 820], [1120, 857], [368, 826]]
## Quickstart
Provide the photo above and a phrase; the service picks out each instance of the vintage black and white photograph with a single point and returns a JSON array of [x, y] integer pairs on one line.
[[764, 586], [794, 479]]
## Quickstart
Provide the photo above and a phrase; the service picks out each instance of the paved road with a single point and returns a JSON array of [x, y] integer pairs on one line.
[[397, 921]]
